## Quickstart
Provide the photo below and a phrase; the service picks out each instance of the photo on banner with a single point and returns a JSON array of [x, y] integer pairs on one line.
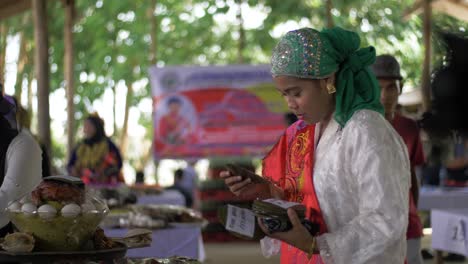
[[215, 111]]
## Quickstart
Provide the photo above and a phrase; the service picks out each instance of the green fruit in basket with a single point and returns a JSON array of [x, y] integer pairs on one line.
[[258, 233], [57, 205]]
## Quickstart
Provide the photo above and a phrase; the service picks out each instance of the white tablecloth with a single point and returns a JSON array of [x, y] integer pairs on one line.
[[183, 241], [172, 197], [442, 198]]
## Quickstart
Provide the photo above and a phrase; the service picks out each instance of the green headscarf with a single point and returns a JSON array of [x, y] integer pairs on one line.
[[307, 53]]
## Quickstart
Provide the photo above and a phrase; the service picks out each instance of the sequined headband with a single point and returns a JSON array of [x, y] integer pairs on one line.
[[299, 54]]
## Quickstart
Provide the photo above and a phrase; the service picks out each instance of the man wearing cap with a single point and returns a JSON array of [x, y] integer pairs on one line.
[[387, 71]]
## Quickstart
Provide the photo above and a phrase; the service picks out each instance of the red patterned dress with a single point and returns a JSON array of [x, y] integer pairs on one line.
[[290, 166]]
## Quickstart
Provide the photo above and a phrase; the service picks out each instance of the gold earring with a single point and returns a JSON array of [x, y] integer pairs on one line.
[[331, 88]]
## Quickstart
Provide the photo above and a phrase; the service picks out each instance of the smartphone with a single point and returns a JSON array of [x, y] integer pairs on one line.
[[245, 174]]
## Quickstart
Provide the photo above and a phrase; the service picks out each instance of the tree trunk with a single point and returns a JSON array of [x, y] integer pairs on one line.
[[29, 70], [329, 14], [147, 152], [241, 45], [30, 93], [41, 65], [426, 74], [153, 33], [3, 44], [146, 156], [156, 175], [124, 132], [22, 60], [69, 83], [114, 108]]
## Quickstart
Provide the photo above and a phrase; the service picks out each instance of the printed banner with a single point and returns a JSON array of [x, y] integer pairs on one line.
[[215, 111]]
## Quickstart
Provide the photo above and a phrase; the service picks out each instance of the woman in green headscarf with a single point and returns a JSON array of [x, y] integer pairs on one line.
[[342, 159]]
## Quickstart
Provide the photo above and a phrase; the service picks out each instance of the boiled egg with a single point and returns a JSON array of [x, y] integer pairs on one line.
[[71, 210], [47, 211], [28, 209]]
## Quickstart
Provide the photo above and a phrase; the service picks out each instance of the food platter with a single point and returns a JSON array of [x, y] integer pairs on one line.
[[116, 252]]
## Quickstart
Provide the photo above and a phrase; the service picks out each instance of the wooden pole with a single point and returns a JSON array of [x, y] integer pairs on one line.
[[154, 59], [41, 65], [128, 102], [153, 33], [22, 60], [29, 103], [426, 74], [69, 84], [3, 44], [329, 14], [114, 107], [241, 44]]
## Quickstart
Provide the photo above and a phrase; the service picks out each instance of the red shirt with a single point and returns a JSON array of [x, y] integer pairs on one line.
[[409, 131]]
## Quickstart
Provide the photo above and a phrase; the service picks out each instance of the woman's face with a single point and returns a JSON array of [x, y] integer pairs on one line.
[[308, 99], [89, 129]]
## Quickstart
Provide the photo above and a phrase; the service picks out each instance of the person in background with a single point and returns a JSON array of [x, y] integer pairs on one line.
[[177, 185], [140, 177], [387, 70], [456, 165], [190, 179], [23, 116], [20, 162], [342, 160], [96, 159]]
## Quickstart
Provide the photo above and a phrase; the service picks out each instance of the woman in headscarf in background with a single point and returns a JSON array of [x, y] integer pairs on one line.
[[96, 159], [342, 159], [20, 162]]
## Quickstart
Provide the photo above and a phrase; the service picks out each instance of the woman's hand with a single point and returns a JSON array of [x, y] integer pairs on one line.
[[298, 236], [245, 187]]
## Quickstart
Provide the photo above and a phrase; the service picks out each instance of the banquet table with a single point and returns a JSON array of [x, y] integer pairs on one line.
[[171, 197], [180, 240], [442, 197]]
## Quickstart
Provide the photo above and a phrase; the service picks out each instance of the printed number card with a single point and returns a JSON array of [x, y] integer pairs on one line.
[[240, 220], [449, 230], [456, 235]]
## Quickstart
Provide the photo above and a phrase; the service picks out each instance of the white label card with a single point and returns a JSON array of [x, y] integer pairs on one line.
[[240, 220], [281, 203], [455, 237]]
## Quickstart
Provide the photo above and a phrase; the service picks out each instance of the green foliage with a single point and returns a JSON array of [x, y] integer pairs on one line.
[[112, 39]]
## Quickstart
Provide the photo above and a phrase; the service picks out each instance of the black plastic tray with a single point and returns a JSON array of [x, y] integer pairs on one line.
[[76, 256]]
